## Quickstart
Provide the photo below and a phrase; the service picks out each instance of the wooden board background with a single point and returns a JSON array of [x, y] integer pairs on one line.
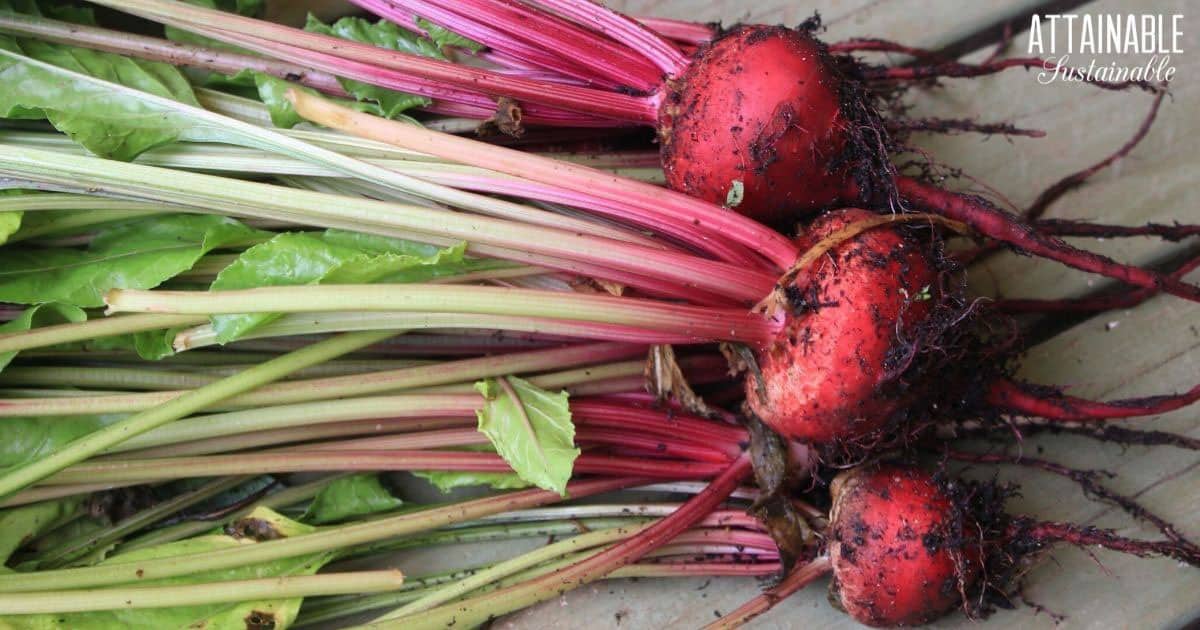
[[1150, 349]]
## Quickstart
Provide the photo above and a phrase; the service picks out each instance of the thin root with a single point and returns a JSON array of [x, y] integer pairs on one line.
[[1052, 404]]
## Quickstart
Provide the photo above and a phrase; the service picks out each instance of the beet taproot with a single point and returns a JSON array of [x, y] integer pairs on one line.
[[824, 377], [898, 547]]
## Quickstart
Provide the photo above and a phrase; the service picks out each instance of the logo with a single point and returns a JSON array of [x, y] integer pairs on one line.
[[1143, 43]]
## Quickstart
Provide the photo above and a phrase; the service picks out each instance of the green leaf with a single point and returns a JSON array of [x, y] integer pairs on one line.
[[299, 258], [531, 429], [27, 439], [137, 254], [107, 123], [447, 480], [21, 524], [384, 34], [348, 497], [444, 38], [276, 614], [10, 222], [36, 317], [272, 92]]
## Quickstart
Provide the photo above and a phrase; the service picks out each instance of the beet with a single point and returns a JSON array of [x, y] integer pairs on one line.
[[825, 376], [896, 547], [760, 106]]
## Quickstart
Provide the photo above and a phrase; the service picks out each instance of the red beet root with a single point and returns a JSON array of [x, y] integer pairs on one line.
[[824, 377], [895, 547], [759, 106]]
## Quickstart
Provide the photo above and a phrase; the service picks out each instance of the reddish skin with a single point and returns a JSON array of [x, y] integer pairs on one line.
[[759, 105], [885, 571], [822, 375]]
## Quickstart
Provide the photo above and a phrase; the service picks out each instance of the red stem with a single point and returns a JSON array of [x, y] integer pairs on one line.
[[1053, 405], [800, 577], [1001, 226], [606, 414]]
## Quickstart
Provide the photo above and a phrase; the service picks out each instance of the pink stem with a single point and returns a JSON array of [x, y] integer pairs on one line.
[[692, 33], [664, 55], [571, 44], [226, 26], [626, 209], [671, 212], [478, 103], [404, 12]]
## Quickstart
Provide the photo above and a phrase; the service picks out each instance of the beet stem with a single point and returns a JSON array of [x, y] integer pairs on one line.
[[596, 567], [161, 469], [329, 539], [664, 55], [281, 41], [670, 212], [800, 577]]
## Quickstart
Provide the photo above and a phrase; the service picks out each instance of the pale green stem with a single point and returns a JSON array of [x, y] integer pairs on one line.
[[676, 321], [288, 496], [449, 372], [112, 378], [515, 565], [242, 198], [324, 540], [92, 444], [204, 126], [303, 414], [70, 550], [124, 598], [317, 323], [70, 201], [513, 529], [93, 329], [76, 222]]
